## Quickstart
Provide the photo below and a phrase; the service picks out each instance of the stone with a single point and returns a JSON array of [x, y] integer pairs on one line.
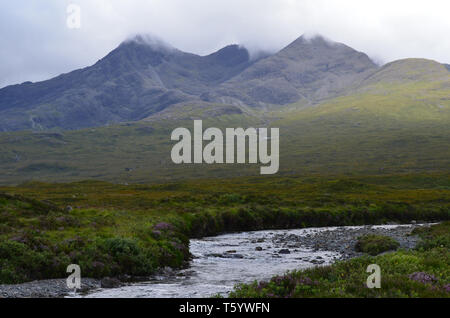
[[109, 282]]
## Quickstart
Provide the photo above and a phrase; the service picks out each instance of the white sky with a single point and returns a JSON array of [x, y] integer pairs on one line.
[[37, 44]]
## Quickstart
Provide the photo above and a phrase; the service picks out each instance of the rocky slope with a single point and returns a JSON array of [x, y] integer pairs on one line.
[[307, 70], [144, 76], [140, 77]]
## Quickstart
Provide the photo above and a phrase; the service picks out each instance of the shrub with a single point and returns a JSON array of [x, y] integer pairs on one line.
[[375, 244], [127, 256], [19, 263]]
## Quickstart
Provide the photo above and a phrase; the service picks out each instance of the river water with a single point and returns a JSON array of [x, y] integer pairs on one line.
[[223, 261]]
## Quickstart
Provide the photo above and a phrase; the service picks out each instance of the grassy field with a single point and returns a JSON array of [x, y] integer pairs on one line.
[[113, 230]]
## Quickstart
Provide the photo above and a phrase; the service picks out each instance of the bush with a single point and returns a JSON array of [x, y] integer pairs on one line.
[[19, 263], [375, 244], [127, 256]]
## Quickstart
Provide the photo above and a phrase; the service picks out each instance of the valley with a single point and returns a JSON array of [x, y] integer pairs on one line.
[[87, 175]]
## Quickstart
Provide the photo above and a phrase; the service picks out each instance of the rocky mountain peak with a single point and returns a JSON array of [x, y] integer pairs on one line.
[[149, 41], [144, 76], [231, 55]]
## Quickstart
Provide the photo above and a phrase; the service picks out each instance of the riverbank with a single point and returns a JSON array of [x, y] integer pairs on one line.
[[342, 240], [115, 230], [51, 288], [422, 272], [277, 250]]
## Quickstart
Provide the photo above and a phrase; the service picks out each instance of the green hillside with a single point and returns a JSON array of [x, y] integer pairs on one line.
[[387, 124], [396, 121]]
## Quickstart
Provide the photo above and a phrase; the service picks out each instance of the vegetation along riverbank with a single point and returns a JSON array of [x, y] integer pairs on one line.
[[422, 272], [113, 230]]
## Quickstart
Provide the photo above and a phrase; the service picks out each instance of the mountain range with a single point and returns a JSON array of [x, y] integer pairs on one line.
[[337, 111], [144, 77]]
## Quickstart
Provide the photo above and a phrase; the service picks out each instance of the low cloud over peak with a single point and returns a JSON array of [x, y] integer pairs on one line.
[[150, 40]]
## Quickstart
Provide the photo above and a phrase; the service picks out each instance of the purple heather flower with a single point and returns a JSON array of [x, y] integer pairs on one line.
[[423, 278], [305, 281], [156, 233], [447, 288], [178, 246], [163, 226]]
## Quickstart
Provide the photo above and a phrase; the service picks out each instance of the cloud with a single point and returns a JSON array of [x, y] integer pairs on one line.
[[38, 45]]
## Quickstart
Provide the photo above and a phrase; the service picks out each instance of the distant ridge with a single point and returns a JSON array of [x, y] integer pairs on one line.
[[306, 70], [144, 77]]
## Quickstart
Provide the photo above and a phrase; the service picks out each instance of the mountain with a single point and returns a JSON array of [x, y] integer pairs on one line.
[[395, 121], [144, 77], [307, 70], [147, 79], [139, 78], [408, 71]]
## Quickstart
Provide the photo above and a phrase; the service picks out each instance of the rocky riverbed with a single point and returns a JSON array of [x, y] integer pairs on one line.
[[343, 239], [50, 288], [221, 262]]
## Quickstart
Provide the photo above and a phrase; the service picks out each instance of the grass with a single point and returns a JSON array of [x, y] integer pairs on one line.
[[114, 230], [384, 127], [376, 244], [424, 272], [39, 240], [378, 154]]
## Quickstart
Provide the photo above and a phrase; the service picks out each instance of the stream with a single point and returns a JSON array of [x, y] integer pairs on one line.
[[221, 262]]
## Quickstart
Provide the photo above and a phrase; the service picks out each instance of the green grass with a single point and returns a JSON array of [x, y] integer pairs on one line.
[[39, 240], [424, 272], [112, 230], [376, 244]]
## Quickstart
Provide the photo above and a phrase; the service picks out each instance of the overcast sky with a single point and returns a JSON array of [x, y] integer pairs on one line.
[[37, 43]]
